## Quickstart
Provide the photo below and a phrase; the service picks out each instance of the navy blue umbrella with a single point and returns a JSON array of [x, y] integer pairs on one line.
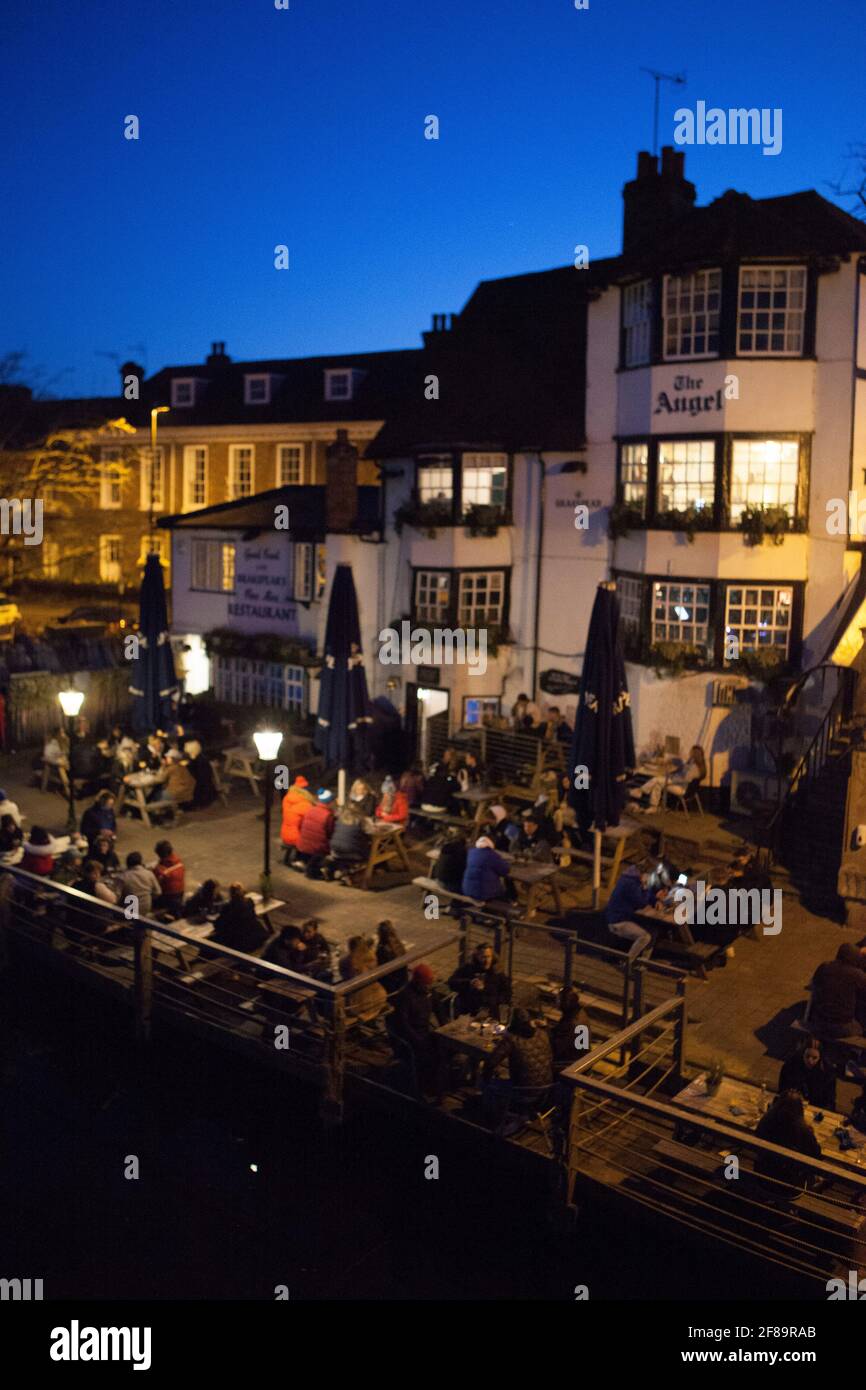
[[602, 749], [343, 717], [153, 681]]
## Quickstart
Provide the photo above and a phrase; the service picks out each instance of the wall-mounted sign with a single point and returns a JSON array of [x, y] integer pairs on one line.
[[262, 599], [428, 675], [698, 401], [559, 683]]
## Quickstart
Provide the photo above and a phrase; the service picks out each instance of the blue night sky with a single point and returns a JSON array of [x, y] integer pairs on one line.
[[261, 126]]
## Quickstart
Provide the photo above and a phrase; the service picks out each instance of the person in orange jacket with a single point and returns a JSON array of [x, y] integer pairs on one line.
[[314, 838], [394, 806], [296, 803]]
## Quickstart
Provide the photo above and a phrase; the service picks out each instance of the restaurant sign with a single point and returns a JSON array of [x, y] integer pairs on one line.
[[559, 683], [690, 395], [262, 599]]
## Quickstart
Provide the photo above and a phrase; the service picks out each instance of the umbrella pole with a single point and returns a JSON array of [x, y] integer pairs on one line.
[[341, 787], [596, 866]]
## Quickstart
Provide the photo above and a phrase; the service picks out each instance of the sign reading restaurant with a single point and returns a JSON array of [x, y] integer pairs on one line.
[[262, 598], [699, 400]]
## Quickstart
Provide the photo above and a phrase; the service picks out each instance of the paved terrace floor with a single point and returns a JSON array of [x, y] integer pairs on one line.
[[741, 1015]]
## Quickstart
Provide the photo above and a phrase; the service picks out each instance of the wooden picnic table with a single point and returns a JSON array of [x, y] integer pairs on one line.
[[482, 798], [134, 798], [738, 1103], [535, 878], [239, 762], [387, 843], [460, 1036]]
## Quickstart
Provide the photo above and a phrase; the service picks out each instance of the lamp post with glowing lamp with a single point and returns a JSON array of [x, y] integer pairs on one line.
[[267, 743], [71, 702]]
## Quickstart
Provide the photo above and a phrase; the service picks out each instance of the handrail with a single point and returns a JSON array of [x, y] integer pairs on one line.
[[815, 757]]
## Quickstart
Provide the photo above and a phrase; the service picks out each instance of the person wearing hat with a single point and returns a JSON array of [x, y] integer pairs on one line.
[[393, 806], [485, 874], [102, 850], [527, 1050], [200, 770], [314, 834], [501, 829], [9, 807], [11, 837], [350, 843], [536, 837], [296, 803], [413, 1024], [67, 868]]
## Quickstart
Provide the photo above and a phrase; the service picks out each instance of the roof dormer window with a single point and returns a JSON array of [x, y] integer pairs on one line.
[[257, 389], [183, 391], [339, 384]]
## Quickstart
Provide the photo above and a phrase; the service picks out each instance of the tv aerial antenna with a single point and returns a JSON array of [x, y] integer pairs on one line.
[[678, 79]]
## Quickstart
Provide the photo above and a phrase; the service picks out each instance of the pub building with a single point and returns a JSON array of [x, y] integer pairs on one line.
[[703, 396]]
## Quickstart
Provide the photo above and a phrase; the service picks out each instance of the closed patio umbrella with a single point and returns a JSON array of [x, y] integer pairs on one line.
[[153, 681], [343, 717], [603, 741]]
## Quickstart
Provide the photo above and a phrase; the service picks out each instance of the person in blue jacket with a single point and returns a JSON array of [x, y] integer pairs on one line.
[[632, 892], [485, 872]]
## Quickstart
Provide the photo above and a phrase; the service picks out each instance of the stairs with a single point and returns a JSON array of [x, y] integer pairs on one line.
[[813, 828]]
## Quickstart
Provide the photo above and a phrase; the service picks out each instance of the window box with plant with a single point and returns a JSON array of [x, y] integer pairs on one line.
[[423, 516], [688, 519], [768, 523], [624, 517], [483, 519]]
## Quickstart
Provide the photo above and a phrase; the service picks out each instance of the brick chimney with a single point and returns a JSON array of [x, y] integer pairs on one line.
[[341, 483], [657, 198], [218, 356]]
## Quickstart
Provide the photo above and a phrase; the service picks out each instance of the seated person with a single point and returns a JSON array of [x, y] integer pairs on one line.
[[633, 890], [139, 882], [102, 850], [296, 803], [808, 1072], [9, 808], [40, 849], [150, 758], [393, 806], [318, 950], [785, 1124], [171, 876], [361, 795], [411, 784], [85, 759], [178, 783], [68, 865], [450, 866], [650, 791], [91, 882], [314, 834], [564, 1035], [501, 829], [11, 840], [55, 750], [522, 709], [471, 774], [839, 995], [202, 775], [288, 950], [535, 838], [555, 727], [389, 948], [414, 1023], [364, 1003], [204, 902], [237, 925], [486, 872], [480, 984], [350, 843], [99, 816], [528, 1051]]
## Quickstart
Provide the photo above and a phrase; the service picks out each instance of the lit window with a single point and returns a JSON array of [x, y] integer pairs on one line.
[[637, 310], [213, 566], [183, 391], [771, 311], [290, 464], [759, 618], [479, 708], [435, 479], [764, 473], [240, 470], [686, 474], [338, 384], [195, 476], [482, 598], [691, 314], [630, 594], [257, 390], [681, 613], [110, 558], [432, 596], [485, 480], [152, 466], [110, 497], [633, 473]]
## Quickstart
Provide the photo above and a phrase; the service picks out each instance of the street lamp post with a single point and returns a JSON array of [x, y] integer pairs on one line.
[[71, 702], [267, 743], [155, 411]]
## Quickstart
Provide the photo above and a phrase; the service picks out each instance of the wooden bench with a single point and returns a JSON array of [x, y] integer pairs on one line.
[[238, 762], [430, 885], [697, 954], [697, 1159], [802, 1025], [135, 799], [845, 1218]]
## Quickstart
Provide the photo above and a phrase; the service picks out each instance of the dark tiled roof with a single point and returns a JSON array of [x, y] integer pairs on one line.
[[736, 227], [307, 512], [25, 421]]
